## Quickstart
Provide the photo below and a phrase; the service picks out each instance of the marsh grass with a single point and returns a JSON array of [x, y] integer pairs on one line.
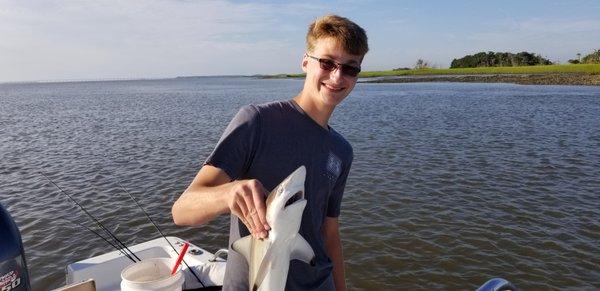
[[549, 69]]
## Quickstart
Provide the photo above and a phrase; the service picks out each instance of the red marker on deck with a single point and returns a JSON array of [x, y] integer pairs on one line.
[[180, 258]]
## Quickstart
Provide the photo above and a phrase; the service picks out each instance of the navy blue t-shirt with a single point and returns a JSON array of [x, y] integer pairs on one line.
[[268, 142]]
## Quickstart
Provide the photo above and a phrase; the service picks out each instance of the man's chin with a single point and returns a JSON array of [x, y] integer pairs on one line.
[[333, 98]]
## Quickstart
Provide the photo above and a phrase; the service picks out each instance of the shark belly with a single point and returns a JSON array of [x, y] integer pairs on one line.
[[276, 278]]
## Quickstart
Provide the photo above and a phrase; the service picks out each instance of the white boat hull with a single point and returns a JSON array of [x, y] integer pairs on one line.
[[106, 269]]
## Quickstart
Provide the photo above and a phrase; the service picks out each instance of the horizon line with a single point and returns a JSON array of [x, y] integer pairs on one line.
[[50, 81]]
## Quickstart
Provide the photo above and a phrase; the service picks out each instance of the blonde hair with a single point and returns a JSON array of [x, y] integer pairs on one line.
[[351, 37]]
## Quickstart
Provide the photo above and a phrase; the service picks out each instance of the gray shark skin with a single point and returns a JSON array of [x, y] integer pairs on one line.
[[269, 259]]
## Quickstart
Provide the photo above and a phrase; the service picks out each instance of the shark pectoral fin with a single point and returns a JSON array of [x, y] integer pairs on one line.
[[243, 246], [301, 250]]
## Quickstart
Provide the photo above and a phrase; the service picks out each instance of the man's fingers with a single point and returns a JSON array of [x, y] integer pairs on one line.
[[248, 203], [235, 209], [258, 197], [243, 214], [261, 209], [252, 214]]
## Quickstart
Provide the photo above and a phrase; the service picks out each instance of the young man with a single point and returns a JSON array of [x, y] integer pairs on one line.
[[264, 143]]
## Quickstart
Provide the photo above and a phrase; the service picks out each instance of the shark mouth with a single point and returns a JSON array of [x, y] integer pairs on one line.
[[295, 198]]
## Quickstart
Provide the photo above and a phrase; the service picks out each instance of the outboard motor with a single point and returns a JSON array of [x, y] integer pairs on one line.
[[13, 269]]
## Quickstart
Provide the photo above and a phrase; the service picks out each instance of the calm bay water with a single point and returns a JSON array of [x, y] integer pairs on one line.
[[452, 184]]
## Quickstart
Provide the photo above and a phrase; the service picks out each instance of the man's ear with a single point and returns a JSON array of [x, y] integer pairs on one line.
[[304, 63]]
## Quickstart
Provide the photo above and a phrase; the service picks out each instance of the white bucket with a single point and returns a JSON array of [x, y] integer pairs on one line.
[[152, 275]]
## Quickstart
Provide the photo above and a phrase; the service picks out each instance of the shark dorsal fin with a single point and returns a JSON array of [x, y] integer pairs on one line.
[[301, 250]]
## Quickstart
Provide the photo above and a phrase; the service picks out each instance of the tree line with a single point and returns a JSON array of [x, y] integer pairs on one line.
[[593, 58], [499, 59], [505, 59]]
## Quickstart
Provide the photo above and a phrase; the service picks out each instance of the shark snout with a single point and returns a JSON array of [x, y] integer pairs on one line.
[[289, 192], [294, 188]]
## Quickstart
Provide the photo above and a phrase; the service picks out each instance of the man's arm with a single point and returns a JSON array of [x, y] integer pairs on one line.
[[212, 193], [333, 246]]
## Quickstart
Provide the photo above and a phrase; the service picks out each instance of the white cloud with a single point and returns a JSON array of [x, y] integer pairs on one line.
[[104, 39], [160, 38]]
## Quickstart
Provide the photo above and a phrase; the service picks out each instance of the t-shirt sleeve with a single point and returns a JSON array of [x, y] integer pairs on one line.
[[335, 199], [234, 151]]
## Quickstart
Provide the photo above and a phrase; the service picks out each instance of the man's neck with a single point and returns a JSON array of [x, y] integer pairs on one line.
[[318, 112]]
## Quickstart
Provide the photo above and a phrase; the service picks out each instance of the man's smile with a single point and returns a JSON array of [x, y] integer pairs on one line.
[[333, 87]]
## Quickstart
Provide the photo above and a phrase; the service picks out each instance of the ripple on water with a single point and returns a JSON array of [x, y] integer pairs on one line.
[[451, 185]]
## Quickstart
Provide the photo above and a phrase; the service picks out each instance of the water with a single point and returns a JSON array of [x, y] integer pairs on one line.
[[452, 184]]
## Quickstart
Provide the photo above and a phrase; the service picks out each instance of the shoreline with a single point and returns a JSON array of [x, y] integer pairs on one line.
[[581, 74], [521, 79], [559, 78]]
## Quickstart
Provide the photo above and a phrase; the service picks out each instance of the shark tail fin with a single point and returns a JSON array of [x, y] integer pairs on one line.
[[301, 250]]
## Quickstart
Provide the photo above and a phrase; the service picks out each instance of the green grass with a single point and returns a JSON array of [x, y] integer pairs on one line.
[[585, 69]]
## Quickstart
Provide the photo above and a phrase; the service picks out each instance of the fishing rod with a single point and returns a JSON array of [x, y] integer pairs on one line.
[[103, 238], [160, 231], [98, 223]]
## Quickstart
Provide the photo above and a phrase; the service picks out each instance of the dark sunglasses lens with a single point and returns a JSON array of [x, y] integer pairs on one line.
[[350, 70], [327, 65], [347, 70]]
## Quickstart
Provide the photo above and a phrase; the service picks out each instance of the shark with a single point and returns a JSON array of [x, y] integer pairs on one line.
[[269, 259]]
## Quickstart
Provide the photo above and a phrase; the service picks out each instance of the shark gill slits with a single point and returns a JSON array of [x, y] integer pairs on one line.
[[299, 195]]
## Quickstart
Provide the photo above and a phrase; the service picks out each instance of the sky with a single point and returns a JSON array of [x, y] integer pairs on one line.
[[92, 40]]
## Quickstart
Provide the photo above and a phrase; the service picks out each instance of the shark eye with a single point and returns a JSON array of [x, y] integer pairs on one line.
[[294, 198]]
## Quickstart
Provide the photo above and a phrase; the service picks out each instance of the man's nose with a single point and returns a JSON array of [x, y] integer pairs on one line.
[[336, 74]]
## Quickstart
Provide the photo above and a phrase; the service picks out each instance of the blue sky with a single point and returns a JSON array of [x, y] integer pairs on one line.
[[65, 40]]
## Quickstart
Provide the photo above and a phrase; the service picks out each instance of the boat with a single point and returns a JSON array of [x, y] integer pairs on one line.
[[103, 272]]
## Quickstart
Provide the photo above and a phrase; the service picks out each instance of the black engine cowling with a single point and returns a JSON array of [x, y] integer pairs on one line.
[[13, 269]]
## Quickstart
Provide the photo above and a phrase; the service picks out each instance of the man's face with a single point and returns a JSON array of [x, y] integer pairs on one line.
[[329, 87]]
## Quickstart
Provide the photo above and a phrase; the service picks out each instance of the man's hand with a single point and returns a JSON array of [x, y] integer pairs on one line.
[[247, 201], [212, 193]]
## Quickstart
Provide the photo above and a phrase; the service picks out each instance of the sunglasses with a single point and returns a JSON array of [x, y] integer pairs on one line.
[[329, 65]]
